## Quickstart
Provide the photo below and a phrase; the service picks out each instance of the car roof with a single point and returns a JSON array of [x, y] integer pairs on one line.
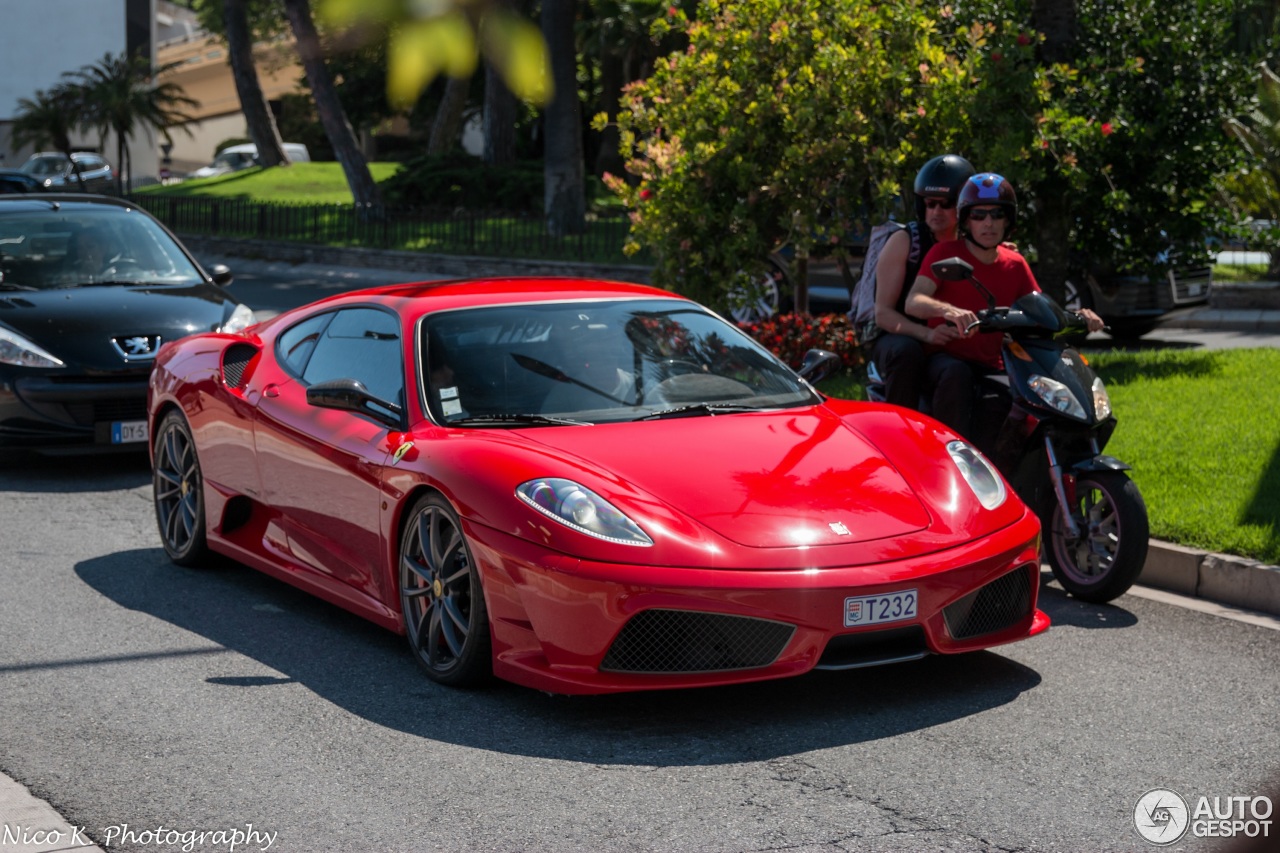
[[33, 202], [417, 298]]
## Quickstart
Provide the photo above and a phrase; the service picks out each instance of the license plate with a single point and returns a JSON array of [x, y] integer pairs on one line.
[[878, 609], [126, 432]]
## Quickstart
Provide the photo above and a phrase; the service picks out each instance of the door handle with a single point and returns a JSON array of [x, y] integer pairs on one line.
[[271, 391]]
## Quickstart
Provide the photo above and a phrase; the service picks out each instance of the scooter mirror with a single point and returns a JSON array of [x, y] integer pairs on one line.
[[952, 269]]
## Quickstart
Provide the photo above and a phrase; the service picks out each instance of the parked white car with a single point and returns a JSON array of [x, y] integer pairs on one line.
[[233, 158]]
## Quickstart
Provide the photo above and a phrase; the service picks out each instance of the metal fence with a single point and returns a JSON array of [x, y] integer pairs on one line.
[[452, 231]]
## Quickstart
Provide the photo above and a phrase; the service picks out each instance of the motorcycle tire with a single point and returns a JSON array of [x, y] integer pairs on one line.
[[1106, 559]]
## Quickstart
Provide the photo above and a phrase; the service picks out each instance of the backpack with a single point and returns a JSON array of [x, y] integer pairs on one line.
[[863, 310]]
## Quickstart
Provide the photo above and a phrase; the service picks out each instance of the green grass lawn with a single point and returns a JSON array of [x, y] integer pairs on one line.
[[300, 183], [1202, 432]]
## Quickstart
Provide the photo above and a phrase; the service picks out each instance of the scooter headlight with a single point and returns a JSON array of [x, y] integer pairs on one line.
[[1101, 402], [582, 509], [978, 473], [1057, 396]]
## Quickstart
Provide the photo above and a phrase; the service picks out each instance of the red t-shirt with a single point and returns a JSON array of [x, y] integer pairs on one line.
[[1007, 278]]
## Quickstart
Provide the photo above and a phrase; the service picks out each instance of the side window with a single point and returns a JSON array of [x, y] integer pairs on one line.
[[362, 344], [294, 347]]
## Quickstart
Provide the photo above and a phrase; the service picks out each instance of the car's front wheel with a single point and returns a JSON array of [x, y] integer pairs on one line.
[[762, 296], [440, 596], [178, 487]]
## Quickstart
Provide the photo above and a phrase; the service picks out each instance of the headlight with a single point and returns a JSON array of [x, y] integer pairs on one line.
[[978, 473], [240, 318], [582, 509], [1101, 402], [1058, 396], [17, 350]]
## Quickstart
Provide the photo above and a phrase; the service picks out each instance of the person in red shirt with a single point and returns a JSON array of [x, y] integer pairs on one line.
[[987, 211]]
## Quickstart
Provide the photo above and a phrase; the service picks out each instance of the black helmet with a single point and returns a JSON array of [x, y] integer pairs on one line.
[[987, 188], [941, 177]]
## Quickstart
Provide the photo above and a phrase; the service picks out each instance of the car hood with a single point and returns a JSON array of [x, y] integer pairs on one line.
[[772, 479], [78, 325]]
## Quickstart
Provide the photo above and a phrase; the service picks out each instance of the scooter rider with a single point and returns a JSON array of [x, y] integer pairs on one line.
[[899, 352], [987, 211]]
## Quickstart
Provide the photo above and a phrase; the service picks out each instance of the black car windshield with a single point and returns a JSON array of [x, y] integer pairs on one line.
[[78, 246], [596, 362]]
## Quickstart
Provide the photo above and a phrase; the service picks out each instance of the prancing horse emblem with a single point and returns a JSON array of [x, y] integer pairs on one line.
[[839, 529], [136, 347]]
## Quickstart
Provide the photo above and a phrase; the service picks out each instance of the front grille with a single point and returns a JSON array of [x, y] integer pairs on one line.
[[992, 607], [664, 641], [872, 648], [234, 362]]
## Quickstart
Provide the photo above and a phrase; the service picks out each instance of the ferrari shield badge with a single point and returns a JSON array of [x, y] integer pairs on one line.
[[401, 451]]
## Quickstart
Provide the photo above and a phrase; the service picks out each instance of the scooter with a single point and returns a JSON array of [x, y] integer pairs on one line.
[[1049, 444]]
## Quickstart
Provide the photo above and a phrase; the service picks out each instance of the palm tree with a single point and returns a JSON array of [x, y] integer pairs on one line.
[[329, 108], [253, 103], [46, 121], [563, 168], [117, 93]]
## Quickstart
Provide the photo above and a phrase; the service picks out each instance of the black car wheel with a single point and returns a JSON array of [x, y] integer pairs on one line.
[[179, 492], [768, 295], [440, 595]]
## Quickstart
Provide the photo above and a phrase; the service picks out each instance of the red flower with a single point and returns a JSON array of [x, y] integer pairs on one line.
[[646, 194], [997, 56], [1107, 129], [671, 11], [1024, 39]]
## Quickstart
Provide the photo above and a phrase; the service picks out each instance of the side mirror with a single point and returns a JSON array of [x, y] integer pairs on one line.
[[952, 269], [818, 364], [350, 395], [221, 274]]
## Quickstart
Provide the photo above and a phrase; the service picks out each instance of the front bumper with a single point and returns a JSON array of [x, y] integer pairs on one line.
[[69, 411], [569, 626]]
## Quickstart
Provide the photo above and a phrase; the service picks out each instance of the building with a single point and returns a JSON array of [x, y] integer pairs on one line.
[[41, 41]]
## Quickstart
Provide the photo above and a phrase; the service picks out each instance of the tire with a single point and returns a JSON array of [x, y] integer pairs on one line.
[[445, 618], [1109, 555], [772, 296], [178, 488]]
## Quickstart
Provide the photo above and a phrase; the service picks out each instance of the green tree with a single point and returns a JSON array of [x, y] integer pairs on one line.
[[46, 121], [118, 93], [784, 121]]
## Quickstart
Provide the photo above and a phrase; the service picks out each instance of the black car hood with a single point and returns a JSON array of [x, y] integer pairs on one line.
[[79, 325]]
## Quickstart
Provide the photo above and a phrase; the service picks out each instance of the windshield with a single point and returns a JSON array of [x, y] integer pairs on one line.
[[46, 166], [74, 247], [594, 362]]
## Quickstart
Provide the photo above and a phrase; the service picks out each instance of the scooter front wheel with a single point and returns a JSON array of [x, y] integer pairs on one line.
[[1105, 559]]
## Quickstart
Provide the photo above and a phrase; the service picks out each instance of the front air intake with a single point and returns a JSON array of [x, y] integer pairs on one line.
[[668, 641], [992, 607]]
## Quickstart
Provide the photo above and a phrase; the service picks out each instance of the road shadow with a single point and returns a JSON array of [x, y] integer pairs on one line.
[[370, 673], [22, 471], [1064, 610]]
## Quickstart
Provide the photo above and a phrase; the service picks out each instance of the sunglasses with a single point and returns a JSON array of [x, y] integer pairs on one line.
[[996, 213], [935, 203]]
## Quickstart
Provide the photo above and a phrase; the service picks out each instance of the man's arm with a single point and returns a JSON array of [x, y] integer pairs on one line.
[[922, 303], [891, 269]]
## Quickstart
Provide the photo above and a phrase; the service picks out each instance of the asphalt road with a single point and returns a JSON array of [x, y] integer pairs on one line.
[[139, 695], [135, 692]]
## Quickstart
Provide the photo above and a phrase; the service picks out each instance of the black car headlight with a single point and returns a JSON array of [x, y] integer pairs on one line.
[[240, 319], [18, 351], [578, 507]]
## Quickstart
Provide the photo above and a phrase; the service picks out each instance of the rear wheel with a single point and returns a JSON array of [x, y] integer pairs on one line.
[[440, 595], [767, 295], [178, 487], [1105, 559]]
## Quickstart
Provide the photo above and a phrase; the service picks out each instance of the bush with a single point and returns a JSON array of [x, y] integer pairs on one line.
[[460, 180], [790, 336]]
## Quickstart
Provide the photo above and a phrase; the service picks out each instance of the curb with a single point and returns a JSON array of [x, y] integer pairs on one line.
[[1221, 578], [36, 827]]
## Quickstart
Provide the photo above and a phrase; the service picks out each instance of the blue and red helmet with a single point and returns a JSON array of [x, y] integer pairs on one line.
[[983, 190]]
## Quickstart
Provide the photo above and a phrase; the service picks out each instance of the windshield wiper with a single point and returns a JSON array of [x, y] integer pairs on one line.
[[13, 285], [517, 420], [111, 282], [699, 409]]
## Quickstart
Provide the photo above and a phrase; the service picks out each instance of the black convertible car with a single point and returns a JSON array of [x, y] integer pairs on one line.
[[90, 287]]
